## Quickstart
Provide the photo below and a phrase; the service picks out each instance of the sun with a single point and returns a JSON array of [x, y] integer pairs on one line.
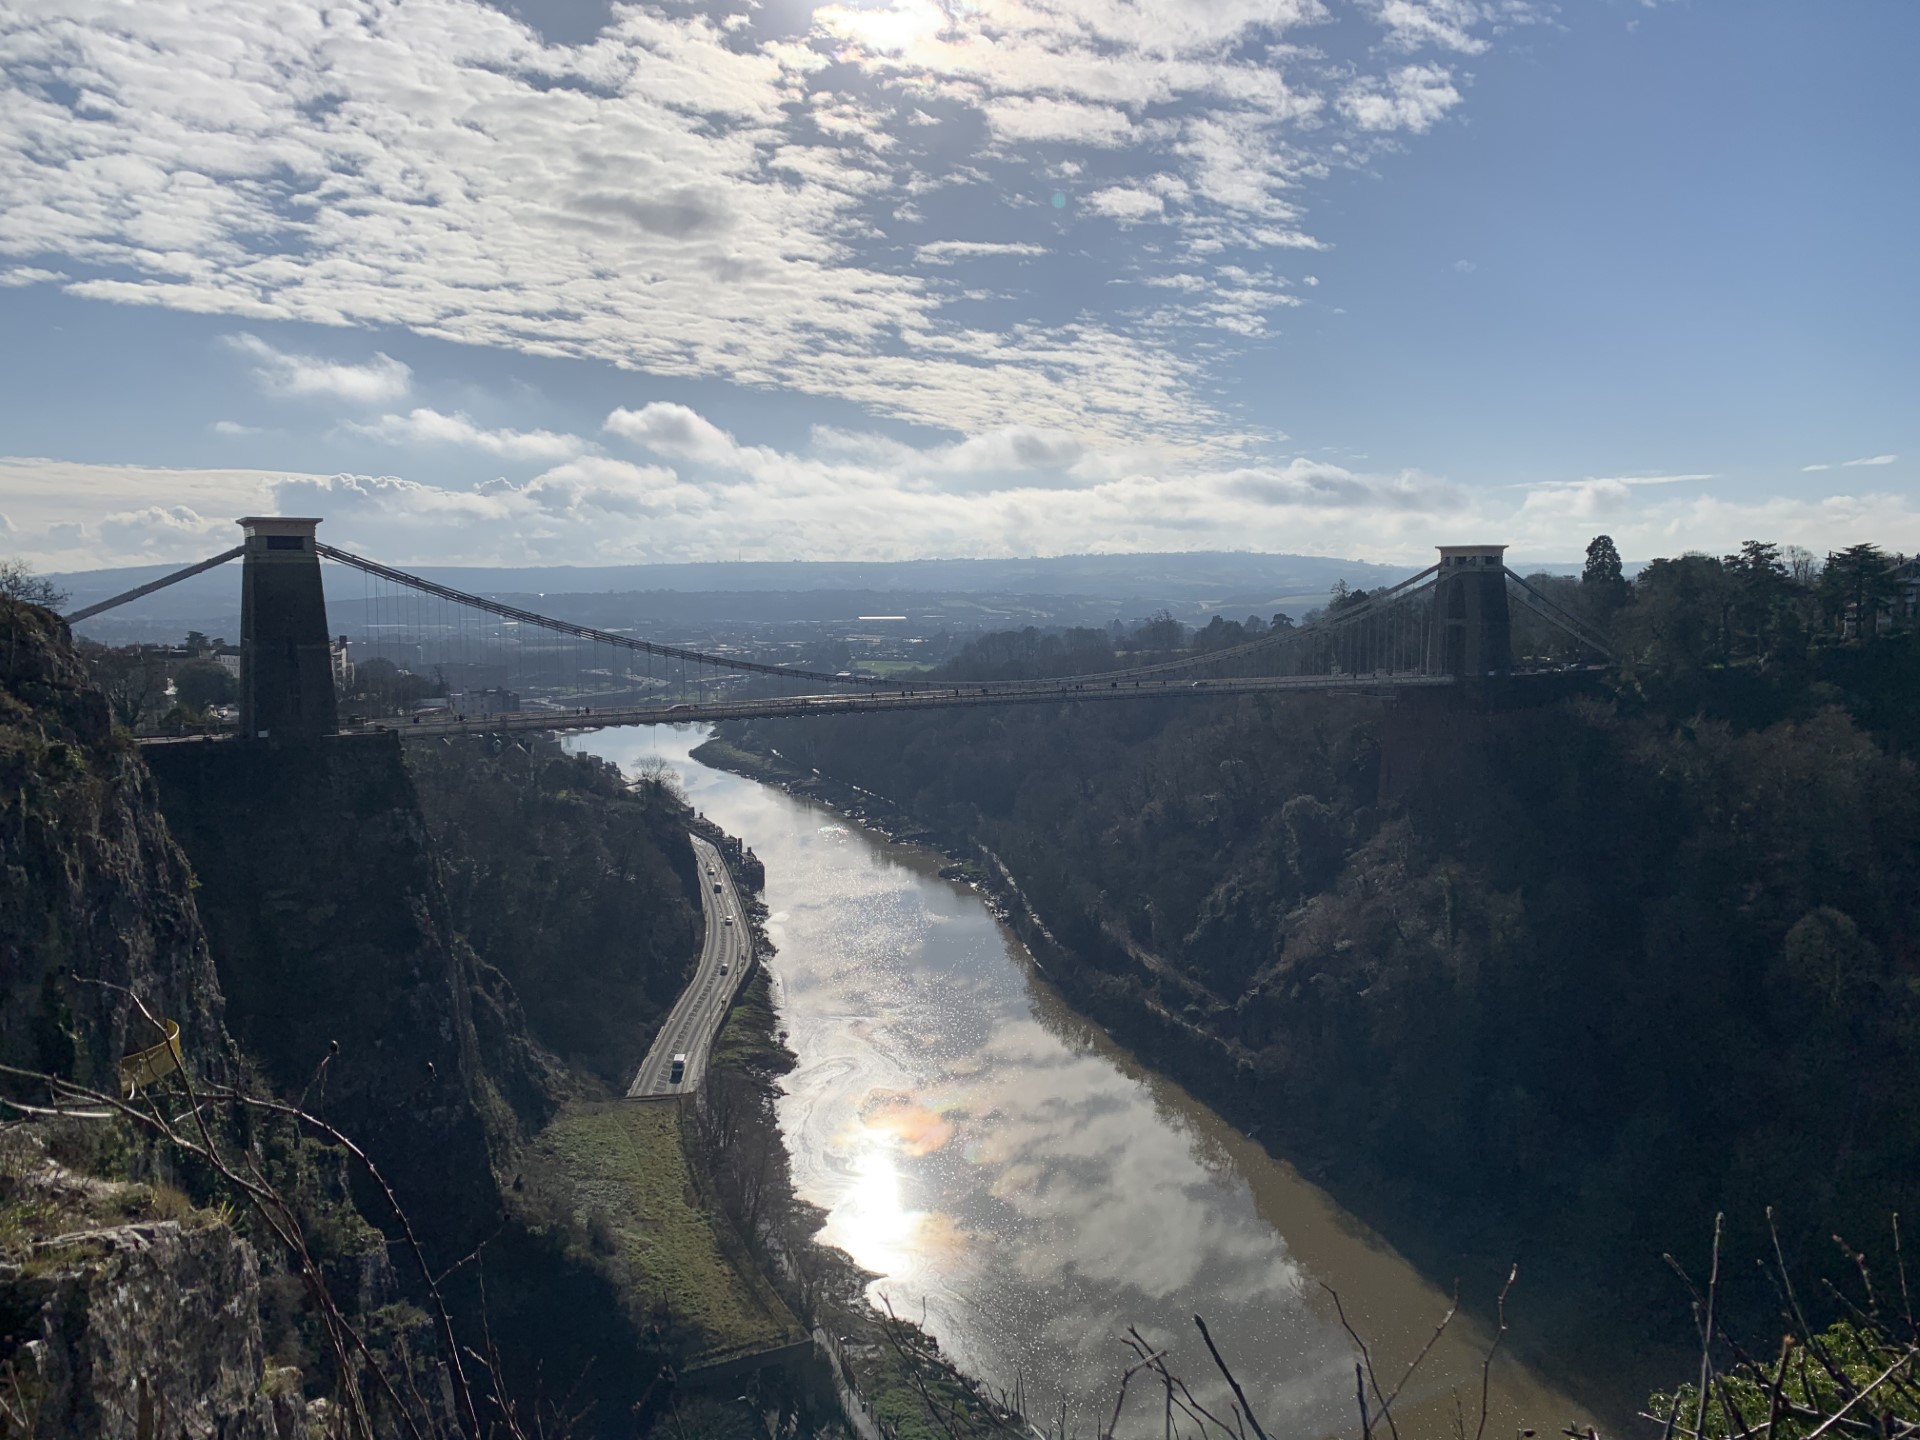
[[892, 27]]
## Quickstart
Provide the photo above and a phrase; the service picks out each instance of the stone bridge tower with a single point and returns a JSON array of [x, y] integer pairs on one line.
[[286, 663], [1472, 630]]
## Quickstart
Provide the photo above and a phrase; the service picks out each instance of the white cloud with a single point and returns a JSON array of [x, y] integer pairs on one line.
[[1123, 203], [423, 426], [676, 430], [1624, 481], [45, 495], [1658, 524], [164, 530], [380, 380], [1595, 497], [232, 428], [19, 275], [1444, 24], [1851, 464], [1016, 490], [947, 252], [612, 487], [1068, 122], [1230, 298], [681, 196], [1413, 98]]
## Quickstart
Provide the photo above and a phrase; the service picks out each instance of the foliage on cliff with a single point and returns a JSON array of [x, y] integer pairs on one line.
[[1567, 978], [580, 888]]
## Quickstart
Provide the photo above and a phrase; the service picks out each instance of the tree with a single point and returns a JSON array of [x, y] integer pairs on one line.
[[1825, 960], [1162, 632], [1603, 579], [200, 683], [389, 690], [1219, 634], [1760, 590], [1803, 566], [1858, 583], [1677, 624], [132, 680], [18, 582]]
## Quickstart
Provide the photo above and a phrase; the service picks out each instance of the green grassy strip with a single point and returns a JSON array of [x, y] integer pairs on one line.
[[627, 1178]]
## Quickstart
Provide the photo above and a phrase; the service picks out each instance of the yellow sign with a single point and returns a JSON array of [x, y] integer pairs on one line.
[[143, 1067]]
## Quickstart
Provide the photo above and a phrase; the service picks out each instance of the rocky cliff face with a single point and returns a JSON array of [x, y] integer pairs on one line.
[[335, 949], [96, 900], [288, 907], [581, 888], [125, 1310], [130, 1329]]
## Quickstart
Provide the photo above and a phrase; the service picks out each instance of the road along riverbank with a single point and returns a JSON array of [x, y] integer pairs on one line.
[[677, 1060]]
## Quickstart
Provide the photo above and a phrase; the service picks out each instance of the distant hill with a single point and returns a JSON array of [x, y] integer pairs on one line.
[[1065, 589]]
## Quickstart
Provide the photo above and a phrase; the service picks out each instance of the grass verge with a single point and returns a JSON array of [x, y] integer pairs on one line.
[[626, 1180]]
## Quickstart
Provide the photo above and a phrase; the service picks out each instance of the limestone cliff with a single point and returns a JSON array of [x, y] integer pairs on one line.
[[288, 907], [124, 1309], [334, 944], [139, 1318], [92, 887]]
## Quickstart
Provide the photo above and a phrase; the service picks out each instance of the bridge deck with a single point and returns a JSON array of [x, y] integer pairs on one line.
[[944, 697], [436, 724]]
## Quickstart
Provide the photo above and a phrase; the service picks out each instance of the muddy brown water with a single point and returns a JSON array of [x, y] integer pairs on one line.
[[1028, 1190]]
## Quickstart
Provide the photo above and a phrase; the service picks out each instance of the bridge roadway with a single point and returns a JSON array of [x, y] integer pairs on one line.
[[696, 1015], [942, 697]]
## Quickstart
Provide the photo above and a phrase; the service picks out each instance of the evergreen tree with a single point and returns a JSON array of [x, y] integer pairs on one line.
[[1603, 581], [1857, 585], [200, 683], [1760, 590]]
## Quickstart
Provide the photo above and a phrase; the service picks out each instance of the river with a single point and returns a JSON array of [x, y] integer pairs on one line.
[[1026, 1189]]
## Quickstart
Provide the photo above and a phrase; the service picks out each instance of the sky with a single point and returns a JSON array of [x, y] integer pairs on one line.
[[572, 282]]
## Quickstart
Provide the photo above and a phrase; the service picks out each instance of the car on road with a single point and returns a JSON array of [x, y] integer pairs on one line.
[[679, 1069]]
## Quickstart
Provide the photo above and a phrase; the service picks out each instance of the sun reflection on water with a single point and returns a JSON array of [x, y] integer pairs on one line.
[[873, 1223]]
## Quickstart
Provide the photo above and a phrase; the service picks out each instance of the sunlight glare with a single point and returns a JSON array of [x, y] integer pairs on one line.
[[894, 27], [873, 1224]]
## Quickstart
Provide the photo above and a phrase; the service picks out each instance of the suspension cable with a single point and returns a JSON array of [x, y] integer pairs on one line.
[[583, 632], [1550, 611], [152, 585]]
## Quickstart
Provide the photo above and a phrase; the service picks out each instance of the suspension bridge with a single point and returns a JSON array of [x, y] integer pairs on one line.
[[503, 667]]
